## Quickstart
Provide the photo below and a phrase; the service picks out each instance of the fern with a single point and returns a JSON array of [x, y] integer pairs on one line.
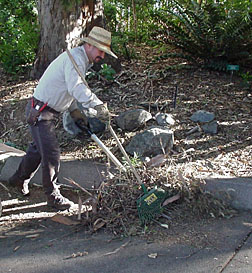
[[207, 32]]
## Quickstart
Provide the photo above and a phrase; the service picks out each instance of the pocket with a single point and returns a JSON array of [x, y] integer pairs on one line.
[[32, 116]]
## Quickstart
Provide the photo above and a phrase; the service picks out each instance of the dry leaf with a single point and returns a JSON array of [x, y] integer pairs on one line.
[[32, 236], [157, 161], [64, 220], [171, 199], [75, 255], [152, 255], [16, 248], [99, 223], [164, 226]]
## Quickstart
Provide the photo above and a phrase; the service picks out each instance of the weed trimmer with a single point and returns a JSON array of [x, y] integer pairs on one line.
[[150, 204]]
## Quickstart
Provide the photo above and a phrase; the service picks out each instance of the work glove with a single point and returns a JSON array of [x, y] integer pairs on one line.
[[79, 117], [102, 112]]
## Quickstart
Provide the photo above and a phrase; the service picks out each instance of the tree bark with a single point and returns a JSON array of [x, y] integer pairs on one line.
[[61, 27], [134, 18]]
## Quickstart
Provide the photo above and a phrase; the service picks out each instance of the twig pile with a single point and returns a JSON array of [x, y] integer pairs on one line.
[[117, 207], [117, 204]]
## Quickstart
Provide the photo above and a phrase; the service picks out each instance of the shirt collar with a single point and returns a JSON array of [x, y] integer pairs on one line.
[[86, 58]]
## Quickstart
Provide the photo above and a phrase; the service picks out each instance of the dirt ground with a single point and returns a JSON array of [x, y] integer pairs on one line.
[[145, 83]]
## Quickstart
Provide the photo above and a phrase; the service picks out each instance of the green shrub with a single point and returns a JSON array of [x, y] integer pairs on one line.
[[213, 32], [120, 44], [18, 34], [246, 79], [106, 71]]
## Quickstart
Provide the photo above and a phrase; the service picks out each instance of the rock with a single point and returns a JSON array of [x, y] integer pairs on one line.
[[210, 127], [202, 116], [151, 141], [164, 119], [132, 119]]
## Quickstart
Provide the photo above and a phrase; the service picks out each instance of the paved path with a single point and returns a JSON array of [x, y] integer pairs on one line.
[[47, 246], [43, 246]]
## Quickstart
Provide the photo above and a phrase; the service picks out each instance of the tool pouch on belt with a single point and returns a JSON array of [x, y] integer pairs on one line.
[[34, 112]]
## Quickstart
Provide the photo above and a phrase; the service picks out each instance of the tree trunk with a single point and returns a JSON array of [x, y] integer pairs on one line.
[[134, 18], [61, 26]]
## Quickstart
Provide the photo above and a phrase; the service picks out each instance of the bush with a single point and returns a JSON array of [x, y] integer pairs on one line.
[[120, 44], [213, 32], [18, 33]]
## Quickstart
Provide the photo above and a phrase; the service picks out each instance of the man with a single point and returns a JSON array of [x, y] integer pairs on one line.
[[59, 89]]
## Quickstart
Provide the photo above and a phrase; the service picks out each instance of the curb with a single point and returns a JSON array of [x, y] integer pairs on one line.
[[87, 173], [236, 191]]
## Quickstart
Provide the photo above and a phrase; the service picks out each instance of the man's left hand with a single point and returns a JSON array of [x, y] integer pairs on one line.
[[102, 112]]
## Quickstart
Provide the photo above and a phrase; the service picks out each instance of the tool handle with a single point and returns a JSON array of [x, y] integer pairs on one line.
[[108, 152], [102, 146], [125, 154], [76, 67]]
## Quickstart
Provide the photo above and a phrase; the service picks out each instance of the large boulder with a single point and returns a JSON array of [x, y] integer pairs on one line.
[[132, 119], [202, 116], [151, 142], [206, 120]]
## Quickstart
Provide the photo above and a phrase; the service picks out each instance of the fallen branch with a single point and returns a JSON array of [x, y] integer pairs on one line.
[[6, 189], [194, 130], [94, 198], [79, 186], [116, 250]]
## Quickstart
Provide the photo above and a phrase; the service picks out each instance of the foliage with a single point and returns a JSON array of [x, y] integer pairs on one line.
[[217, 33], [247, 79], [18, 34], [120, 18], [110, 13], [125, 29], [106, 71], [135, 161], [120, 44]]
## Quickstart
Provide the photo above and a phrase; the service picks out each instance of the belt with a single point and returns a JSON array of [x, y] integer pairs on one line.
[[43, 106]]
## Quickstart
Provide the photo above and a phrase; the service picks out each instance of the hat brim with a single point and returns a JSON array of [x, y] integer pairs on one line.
[[104, 48]]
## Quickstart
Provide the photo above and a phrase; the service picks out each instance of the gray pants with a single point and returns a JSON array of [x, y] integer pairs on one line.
[[44, 151]]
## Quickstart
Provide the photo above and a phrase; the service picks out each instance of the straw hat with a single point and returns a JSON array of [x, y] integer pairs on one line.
[[100, 38]]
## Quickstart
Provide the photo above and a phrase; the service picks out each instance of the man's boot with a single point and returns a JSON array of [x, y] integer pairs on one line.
[[58, 201], [21, 185]]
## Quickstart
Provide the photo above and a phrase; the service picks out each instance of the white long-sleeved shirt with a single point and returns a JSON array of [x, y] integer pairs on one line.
[[60, 85]]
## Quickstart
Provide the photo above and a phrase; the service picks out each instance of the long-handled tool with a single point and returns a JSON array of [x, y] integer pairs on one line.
[[103, 147], [150, 204]]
